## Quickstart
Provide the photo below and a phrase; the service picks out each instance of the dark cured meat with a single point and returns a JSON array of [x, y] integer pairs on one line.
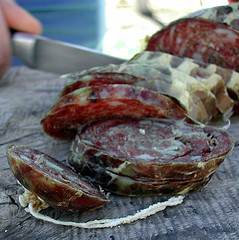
[[108, 101], [127, 186], [151, 150], [201, 40], [98, 79], [52, 181]]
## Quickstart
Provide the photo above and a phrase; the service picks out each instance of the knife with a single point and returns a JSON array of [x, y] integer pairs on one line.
[[55, 56]]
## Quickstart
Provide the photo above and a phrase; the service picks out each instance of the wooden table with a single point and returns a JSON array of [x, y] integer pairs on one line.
[[25, 97]]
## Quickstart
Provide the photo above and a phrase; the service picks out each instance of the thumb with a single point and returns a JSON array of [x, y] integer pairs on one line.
[[5, 52], [19, 19]]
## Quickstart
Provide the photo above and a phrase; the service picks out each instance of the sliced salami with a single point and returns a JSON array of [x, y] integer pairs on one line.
[[201, 40], [151, 150], [199, 87], [52, 181], [211, 76], [108, 101], [164, 83], [99, 79]]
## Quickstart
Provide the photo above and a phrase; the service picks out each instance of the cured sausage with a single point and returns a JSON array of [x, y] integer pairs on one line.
[[201, 40], [199, 87], [159, 151], [108, 101], [214, 78], [198, 102], [52, 181], [128, 186], [98, 79]]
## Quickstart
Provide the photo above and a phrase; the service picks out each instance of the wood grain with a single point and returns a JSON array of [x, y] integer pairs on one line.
[[25, 97]]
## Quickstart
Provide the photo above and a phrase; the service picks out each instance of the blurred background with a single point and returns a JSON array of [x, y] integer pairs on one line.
[[129, 21], [115, 27]]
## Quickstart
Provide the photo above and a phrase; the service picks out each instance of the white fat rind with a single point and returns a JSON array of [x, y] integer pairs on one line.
[[30, 198], [229, 34], [201, 165], [234, 82], [115, 103], [121, 167], [188, 67], [142, 131]]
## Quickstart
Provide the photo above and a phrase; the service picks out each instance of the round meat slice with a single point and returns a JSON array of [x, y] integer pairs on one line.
[[163, 150], [52, 181], [103, 102], [200, 39]]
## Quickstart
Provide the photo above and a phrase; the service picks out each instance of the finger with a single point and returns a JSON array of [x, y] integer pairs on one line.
[[5, 53], [19, 19]]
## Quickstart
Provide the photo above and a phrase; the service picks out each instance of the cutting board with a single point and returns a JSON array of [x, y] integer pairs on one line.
[[25, 97]]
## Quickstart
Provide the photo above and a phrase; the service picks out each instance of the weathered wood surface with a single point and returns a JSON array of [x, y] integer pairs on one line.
[[25, 96]]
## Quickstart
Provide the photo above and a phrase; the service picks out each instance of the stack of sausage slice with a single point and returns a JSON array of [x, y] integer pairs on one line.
[[132, 121], [131, 124]]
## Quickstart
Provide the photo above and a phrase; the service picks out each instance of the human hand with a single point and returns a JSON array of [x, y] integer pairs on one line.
[[14, 17]]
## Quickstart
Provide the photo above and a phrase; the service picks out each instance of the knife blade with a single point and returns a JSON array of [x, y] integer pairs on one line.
[[55, 56]]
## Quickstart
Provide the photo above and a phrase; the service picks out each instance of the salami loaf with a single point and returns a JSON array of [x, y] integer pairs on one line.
[[200, 39]]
